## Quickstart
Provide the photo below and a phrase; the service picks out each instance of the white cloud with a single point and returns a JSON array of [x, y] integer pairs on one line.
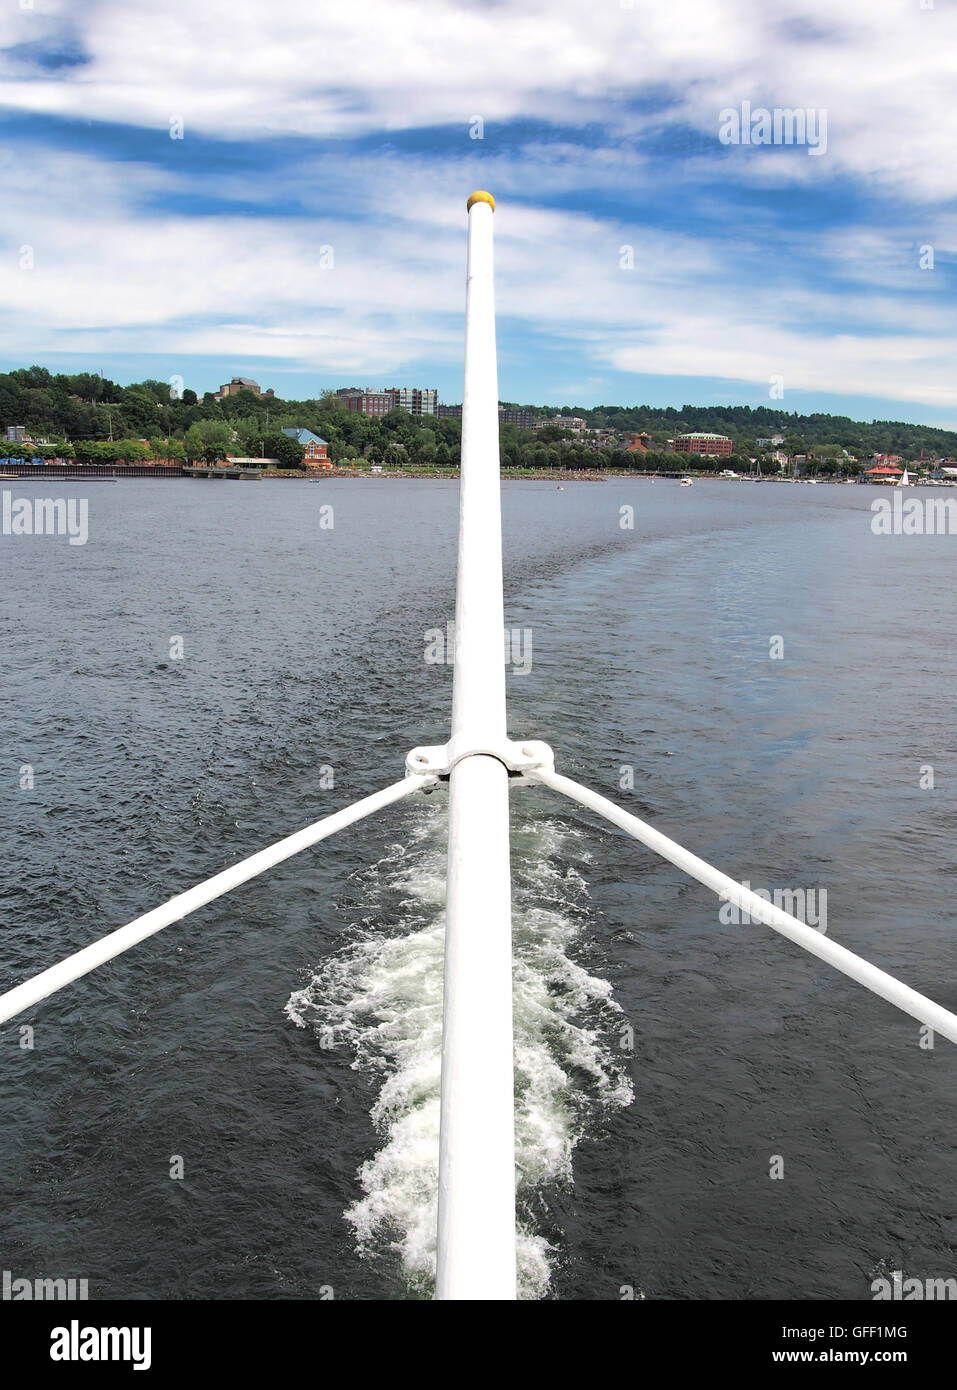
[[116, 272], [883, 71], [111, 276]]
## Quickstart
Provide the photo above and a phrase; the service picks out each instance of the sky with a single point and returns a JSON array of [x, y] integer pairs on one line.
[[278, 191]]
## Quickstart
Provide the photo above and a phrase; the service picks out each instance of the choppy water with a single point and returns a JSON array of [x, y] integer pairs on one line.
[[284, 1041]]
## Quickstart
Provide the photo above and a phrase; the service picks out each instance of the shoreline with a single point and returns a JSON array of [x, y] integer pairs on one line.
[[121, 472]]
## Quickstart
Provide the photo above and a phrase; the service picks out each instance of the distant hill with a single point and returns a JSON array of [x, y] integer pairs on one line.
[[85, 407], [746, 425]]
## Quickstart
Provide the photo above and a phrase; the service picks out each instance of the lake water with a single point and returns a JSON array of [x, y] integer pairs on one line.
[[283, 1041]]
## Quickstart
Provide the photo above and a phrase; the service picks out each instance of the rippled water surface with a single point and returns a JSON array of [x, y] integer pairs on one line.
[[283, 1041]]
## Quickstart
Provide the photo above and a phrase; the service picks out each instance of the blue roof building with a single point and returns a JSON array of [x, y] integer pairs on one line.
[[315, 447], [305, 436]]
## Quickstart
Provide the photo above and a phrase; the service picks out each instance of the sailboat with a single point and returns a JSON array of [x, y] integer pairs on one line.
[[904, 481]]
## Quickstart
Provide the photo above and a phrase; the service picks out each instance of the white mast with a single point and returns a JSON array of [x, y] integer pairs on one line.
[[476, 1221]]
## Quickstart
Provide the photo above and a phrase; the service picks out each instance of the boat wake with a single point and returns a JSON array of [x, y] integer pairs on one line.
[[382, 996]]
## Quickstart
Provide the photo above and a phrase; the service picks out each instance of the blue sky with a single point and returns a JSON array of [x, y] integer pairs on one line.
[[308, 229]]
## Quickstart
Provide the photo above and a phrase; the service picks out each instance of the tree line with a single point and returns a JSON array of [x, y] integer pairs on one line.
[[92, 419]]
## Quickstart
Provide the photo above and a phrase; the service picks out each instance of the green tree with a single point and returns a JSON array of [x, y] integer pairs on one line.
[[216, 432], [129, 451], [193, 443], [283, 447]]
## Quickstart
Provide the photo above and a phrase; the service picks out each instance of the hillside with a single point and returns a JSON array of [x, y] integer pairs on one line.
[[87, 411]]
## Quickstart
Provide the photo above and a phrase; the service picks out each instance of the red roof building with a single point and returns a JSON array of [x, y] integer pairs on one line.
[[638, 443]]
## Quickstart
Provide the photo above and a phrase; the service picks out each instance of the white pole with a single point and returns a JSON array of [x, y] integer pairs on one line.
[[878, 981], [476, 1216], [81, 962]]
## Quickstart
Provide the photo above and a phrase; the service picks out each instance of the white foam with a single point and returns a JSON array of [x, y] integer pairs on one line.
[[382, 995]]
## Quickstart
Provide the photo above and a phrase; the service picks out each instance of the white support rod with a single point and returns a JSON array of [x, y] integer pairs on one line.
[[878, 981], [476, 1207], [49, 981]]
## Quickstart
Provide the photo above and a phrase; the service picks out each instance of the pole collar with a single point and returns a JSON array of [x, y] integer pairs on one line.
[[521, 758]]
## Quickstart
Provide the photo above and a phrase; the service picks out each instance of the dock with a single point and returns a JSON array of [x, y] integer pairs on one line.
[[215, 470]]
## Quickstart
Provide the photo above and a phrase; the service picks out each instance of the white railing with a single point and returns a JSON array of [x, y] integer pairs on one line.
[[878, 981], [82, 962], [476, 1210]]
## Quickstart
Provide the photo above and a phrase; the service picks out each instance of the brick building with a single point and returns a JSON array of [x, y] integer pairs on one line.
[[416, 400], [373, 403], [241, 383], [708, 444], [316, 449]]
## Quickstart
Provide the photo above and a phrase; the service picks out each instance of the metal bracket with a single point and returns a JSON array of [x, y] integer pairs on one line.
[[521, 758]]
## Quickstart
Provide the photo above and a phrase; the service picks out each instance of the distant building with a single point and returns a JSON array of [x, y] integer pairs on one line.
[[448, 412], [521, 419], [707, 444], [241, 383], [316, 448], [883, 473], [771, 440], [887, 459], [576, 423], [372, 403], [16, 434], [416, 400], [638, 443]]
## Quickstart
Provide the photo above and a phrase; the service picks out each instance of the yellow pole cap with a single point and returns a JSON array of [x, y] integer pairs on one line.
[[481, 197]]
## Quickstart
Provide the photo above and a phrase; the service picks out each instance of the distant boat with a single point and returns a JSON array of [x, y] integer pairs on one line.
[[686, 482], [905, 480]]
